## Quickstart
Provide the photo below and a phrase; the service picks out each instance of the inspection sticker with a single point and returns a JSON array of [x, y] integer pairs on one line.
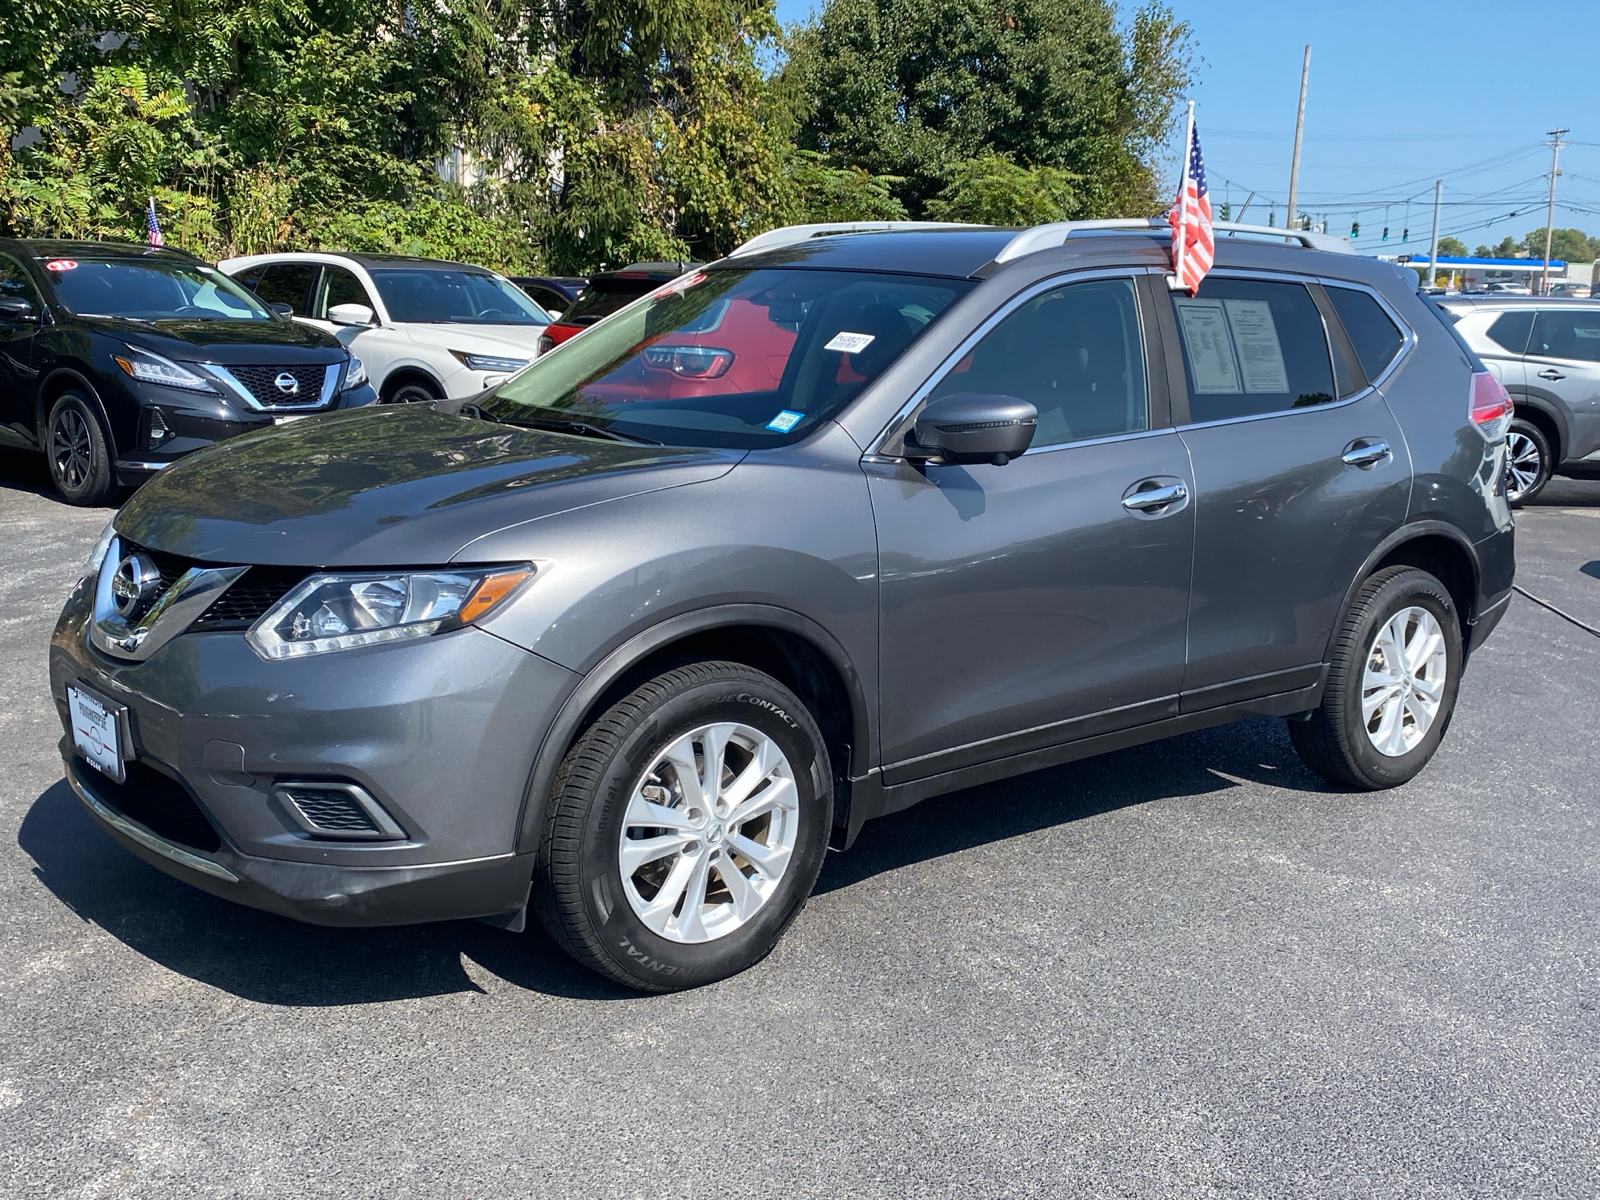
[[851, 343], [61, 264], [785, 421]]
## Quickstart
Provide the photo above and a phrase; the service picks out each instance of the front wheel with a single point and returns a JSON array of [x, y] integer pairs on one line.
[[686, 828], [412, 391], [79, 450], [1528, 462], [1391, 688]]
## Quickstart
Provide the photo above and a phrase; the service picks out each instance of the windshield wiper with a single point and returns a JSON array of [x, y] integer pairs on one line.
[[555, 425]]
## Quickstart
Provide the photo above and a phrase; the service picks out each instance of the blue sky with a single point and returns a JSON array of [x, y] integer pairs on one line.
[[1401, 92]]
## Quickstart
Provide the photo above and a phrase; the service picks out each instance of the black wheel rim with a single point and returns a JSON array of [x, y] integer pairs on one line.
[[71, 448]]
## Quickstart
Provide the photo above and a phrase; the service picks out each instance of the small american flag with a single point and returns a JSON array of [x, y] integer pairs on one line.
[[153, 229], [1193, 243]]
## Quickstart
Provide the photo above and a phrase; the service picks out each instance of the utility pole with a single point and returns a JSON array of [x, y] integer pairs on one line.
[[1433, 253], [1550, 213], [1299, 129]]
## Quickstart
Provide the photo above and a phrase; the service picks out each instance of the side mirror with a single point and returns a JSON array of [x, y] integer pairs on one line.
[[974, 427], [283, 310], [350, 314], [16, 310]]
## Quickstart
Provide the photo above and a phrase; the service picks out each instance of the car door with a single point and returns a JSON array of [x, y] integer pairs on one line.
[[1295, 482], [17, 373], [1030, 604], [1563, 365]]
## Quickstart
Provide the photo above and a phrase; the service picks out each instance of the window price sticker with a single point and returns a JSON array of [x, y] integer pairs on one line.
[[851, 343]]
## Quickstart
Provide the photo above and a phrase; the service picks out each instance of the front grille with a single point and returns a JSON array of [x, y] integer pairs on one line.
[[261, 382], [336, 812], [160, 803], [243, 604], [251, 595]]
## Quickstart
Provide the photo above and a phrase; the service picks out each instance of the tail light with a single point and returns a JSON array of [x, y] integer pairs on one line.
[[546, 342], [1491, 406]]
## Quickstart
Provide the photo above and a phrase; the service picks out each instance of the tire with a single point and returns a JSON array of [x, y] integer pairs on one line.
[[1336, 742], [620, 926], [1529, 462], [412, 391], [78, 450]]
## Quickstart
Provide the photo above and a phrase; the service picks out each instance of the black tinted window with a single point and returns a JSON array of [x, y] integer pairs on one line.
[[288, 283], [1567, 333], [14, 282], [604, 298], [1511, 330], [340, 287], [437, 296], [1074, 353], [1252, 347], [1376, 338]]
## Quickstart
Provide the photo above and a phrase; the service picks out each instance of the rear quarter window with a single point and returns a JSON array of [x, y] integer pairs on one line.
[[1375, 336], [1510, 331]]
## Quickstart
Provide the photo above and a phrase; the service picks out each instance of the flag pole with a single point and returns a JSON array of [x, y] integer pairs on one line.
[[1183, 199]]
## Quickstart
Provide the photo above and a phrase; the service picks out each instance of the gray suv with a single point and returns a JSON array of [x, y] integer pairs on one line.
[[1547, 354], [805, 536]]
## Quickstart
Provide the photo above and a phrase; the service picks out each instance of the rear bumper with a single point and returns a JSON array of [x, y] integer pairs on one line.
[[318, 893]]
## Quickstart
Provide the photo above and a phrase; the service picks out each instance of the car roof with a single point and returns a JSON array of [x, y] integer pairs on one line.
[[951, 252], [1512, 300], [369, 261], [45, 248]]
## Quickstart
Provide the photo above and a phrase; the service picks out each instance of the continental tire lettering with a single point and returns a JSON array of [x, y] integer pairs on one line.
[[644, 960], [761, 702]]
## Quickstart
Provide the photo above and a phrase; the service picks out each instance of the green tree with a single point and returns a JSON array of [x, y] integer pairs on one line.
[[1451, 247], [918, 89], [992, 191], [1568, 245]]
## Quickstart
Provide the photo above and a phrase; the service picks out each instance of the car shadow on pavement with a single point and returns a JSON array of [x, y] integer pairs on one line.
[[272, 960], [1194, 764]]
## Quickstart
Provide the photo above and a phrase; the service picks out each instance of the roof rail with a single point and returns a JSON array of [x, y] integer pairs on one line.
[[791, 235], [1045, 237]]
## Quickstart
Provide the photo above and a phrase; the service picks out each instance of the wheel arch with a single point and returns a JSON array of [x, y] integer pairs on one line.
[[787, 645], [408, 373], [65, 378], [1441, 550], [1537, 410]]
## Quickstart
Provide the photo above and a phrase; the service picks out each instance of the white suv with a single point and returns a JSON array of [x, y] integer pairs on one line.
[[425, 329]]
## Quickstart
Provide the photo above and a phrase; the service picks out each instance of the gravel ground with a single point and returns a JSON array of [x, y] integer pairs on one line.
[[1180, 970]]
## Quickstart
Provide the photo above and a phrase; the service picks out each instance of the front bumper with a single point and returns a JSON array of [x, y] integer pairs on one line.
[[441, 731]]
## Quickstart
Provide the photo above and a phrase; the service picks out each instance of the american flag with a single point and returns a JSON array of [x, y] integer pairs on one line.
[[1193, 244], [153, 229]]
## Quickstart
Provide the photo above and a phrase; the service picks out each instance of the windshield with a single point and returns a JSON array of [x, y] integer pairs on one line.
[[151, 290], [735, 359], [436, 297]]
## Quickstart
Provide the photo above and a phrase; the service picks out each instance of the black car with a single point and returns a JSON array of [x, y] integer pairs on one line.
[[606, 293], [117, 359], [553, 293]]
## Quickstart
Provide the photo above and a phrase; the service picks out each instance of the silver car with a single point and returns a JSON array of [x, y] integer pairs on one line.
[[1546, 352], [801, 538]]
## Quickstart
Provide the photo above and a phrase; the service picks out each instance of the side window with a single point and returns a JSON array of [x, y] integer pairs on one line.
[[1371, 331], [1252, 347], [287, 283], [1510, 330], [1567, 333], [339, 286], [15, 284], [249, 279], [1074, 353]]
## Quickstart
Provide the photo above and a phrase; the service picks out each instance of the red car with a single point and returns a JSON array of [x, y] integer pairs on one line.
[[605, 294]]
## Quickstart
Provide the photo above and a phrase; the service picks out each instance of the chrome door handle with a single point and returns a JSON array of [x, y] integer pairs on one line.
[[1155, 498], [1551, 374], [1364, 453]]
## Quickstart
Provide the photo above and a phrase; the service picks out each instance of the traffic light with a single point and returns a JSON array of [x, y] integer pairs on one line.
[[1355, 230], [1386, 233], [1405, 235], [1225, 209]]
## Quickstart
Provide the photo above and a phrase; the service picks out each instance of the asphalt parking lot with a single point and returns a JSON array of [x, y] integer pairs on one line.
[[1182, 970]]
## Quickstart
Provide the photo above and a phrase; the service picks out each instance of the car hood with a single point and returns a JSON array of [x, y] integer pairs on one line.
[[388, 487], [504, 341], [226, 342]]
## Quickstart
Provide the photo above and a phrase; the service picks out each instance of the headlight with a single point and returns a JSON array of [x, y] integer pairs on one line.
[[152, 368], [486, 362], [339, 612], [357, 374], [97, 556]]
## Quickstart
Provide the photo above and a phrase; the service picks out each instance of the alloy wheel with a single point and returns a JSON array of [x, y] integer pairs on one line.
[[1524, 465], [709, 832], [71, 448], [1403, 685]]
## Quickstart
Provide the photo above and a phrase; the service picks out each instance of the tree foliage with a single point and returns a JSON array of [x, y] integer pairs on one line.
[[924, 89], [586, 132]]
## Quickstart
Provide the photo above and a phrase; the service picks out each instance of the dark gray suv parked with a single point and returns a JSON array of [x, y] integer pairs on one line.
[[1547, 354], [804, 537]]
